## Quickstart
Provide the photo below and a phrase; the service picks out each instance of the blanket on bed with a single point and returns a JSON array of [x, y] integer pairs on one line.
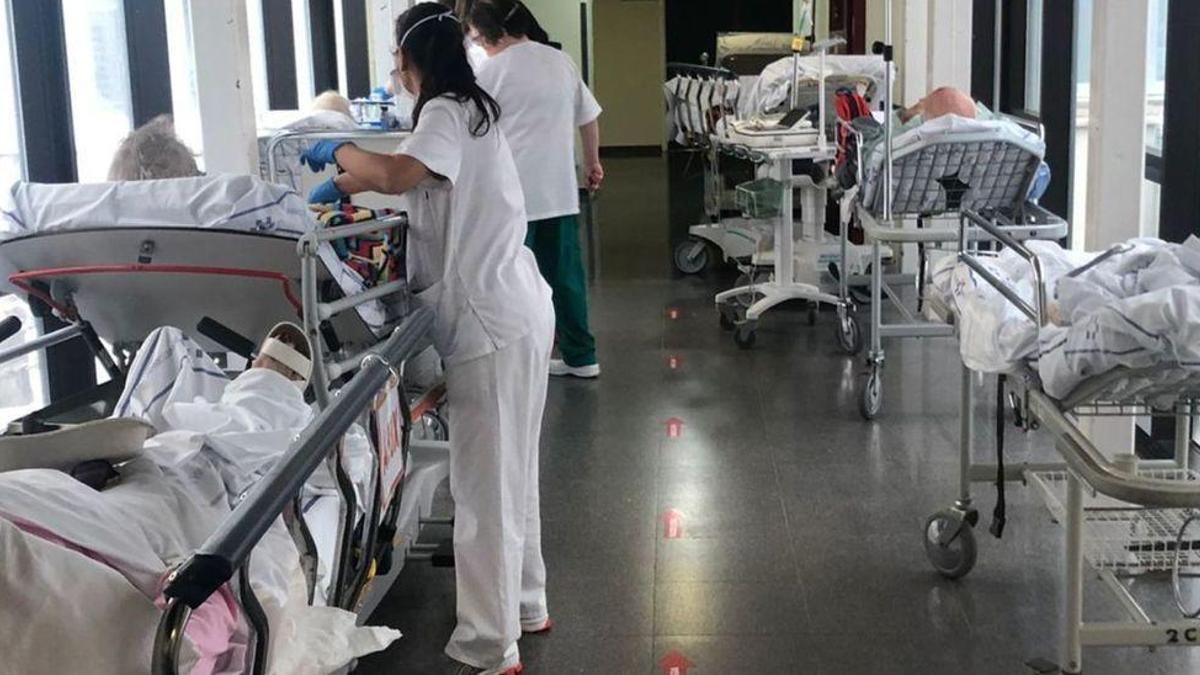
[[220, 437], [1137, 308]]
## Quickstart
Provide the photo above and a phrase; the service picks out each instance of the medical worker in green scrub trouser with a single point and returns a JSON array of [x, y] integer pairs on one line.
[[544, 102]]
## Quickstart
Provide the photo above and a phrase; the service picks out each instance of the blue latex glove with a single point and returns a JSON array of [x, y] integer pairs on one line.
[[321, 154], [1040, 182], [326, 193]]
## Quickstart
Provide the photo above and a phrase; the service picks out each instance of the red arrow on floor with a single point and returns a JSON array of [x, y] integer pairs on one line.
[[675, 663], [672, 524], [674, 427]]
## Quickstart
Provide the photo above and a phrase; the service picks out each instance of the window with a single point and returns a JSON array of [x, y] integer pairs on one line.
[[98, 67], [185, 101], [1156, 80], [1033, 57], [11, 164]]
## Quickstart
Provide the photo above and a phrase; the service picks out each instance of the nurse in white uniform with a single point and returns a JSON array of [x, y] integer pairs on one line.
[[545, 103], [494, 327]]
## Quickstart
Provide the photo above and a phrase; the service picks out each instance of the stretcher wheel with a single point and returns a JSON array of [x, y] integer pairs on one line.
[[727, 316], [849, 334], [950, 544], [745, 335], [691, 256], [871, 396]]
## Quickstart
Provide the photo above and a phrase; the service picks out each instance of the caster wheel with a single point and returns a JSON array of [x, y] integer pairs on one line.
[[729, 316], [726, 322], [435, 426], [950, 544], [745, 336], [849, 334], [691, 256], [871, 396], [813, 308]]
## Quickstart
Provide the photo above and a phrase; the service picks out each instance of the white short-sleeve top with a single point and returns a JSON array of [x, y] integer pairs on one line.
[[544, 101], [466, 254]]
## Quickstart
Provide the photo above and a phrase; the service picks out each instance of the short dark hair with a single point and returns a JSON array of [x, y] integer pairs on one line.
[[494, 19], [435, 49]]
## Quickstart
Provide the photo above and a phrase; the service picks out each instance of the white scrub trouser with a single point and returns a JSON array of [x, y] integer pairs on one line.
[[496, 402]]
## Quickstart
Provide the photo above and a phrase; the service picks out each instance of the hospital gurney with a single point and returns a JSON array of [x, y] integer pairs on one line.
[[1127, 518], [114, 284], [948, 165]]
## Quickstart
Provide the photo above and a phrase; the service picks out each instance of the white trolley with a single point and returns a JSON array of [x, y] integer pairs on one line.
[[1126, 522]]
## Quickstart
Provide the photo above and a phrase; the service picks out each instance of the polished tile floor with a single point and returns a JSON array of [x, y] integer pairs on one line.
[[772, 531]]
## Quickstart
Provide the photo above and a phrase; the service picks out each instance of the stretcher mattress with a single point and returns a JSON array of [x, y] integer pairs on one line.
[[771, 91], [1137, 308], [224, 221]]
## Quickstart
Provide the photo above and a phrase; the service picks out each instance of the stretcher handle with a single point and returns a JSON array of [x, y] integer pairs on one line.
[[229, 547], [226, 337], [1037, 313], [1087, 462], [9, 327]]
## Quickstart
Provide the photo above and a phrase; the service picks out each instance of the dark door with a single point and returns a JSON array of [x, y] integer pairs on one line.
[[848, 18], [692, 25]]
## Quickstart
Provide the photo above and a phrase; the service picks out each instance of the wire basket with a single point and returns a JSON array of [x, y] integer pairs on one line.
[[760, 198]]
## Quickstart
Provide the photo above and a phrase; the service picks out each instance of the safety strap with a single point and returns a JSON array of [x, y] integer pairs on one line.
[[288, 356], [998, 514]]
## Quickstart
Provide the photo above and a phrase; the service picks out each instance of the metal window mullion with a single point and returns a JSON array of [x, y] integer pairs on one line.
[[149, 59]]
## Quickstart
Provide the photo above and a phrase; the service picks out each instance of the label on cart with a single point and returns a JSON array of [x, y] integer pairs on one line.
[[389, 435]]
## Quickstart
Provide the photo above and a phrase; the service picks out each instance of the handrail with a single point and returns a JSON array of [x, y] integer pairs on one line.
[[48, 340], [228, 549], [1037, 313], [1090, 464], [358, 134]]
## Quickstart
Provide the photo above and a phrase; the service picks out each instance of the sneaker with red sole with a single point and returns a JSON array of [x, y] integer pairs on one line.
[[537, 627]]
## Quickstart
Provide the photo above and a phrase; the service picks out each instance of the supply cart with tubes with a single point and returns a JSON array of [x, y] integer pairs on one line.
[[1127, 519]]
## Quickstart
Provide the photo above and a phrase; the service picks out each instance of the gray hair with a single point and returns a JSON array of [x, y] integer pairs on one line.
[[153, 151]]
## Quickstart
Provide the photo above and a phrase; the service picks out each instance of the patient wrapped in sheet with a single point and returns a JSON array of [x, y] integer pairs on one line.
[[1138, 307], [83, 569]]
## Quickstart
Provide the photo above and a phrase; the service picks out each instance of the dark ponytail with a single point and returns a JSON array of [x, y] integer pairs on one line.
[[493, 19], [435, 50]]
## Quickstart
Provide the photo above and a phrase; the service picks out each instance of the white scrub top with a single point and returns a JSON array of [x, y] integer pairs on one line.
[[466, 254], [543, 101]]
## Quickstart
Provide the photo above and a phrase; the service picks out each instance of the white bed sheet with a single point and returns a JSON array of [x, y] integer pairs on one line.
[[773, 87], [1136, 309], [170, 499]]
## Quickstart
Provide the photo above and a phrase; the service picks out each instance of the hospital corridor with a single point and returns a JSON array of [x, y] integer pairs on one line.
[[656, 337]]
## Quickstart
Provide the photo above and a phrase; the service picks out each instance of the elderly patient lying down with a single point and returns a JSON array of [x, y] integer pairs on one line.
[[82, 569]]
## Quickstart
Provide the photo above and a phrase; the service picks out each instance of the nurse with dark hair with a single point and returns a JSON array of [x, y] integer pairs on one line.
[[494, 326], [545, 105]]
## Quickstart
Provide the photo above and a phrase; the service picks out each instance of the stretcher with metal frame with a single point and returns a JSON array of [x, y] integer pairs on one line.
[[957, 173], [281, 146], [114, 285], [1126, 521]]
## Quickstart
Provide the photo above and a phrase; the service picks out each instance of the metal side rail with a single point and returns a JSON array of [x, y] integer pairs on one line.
[[228, 549]]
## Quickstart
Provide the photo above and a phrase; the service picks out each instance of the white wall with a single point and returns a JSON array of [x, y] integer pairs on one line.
[[560, 18]]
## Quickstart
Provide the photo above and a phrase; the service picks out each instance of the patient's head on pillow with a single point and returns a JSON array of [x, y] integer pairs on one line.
[[153, 151], [947, 101], [292, 336], [939, 102], [332, 101]]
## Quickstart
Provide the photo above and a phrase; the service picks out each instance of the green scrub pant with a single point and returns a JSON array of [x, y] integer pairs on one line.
[[555, 244]]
